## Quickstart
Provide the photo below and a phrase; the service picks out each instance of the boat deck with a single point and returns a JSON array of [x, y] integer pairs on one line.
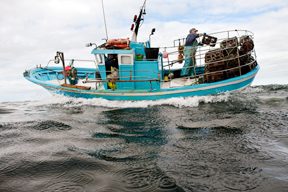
[[178, 82], [80, 83], [174, 83]]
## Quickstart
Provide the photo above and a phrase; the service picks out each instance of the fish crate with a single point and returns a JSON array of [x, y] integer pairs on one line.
[[231, 42], [209, 40], [232, 73], [219, 76], [219, 66], [214, 55]]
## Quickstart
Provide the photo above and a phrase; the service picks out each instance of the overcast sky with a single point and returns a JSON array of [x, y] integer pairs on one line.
[[31, 31]]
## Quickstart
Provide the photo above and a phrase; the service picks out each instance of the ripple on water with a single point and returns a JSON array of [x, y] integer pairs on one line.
[[145, 179], [81, 178], [14, 175], [138, 178], [115, 128], [6, 126], [168, 184], [96, 167], [108, 189], [49, 125], [74, 175], [64, 187], [197, 170], [9, 166], [76, 170], [6, 165], [242, 181]]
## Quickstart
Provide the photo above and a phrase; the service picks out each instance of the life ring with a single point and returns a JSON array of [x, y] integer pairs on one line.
[[119, 43]]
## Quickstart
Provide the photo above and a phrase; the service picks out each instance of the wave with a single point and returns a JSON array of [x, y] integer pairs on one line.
[[68, 102], [272, 87], [255, 94]]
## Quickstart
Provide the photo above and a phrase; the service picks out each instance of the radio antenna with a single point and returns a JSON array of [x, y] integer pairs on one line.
[[137, 22], [105, 21]]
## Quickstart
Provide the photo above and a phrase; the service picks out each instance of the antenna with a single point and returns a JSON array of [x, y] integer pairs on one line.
[[137, 21], [105, 21]]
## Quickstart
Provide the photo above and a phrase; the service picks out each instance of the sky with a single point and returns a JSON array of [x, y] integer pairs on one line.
[[32, 31]]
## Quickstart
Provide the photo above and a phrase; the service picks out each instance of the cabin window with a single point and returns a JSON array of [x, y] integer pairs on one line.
[[100, 59], [126, 59]]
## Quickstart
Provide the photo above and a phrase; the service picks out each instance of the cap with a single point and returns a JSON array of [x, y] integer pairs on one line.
[[193, 29]]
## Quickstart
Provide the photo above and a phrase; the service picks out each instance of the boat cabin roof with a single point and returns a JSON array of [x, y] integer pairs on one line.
[[112, 51], [137, 47]]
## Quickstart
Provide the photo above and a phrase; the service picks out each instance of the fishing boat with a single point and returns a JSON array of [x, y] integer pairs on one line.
[[223, 62]]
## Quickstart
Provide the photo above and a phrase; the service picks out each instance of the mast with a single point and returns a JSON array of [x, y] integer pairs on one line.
[[105, 21], [137, 22]]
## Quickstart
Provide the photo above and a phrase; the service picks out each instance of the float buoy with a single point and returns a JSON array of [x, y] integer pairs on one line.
[[118, 43], [165, 55]]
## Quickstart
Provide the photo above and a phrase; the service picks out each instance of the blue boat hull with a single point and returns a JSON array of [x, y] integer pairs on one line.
[[230, 85]]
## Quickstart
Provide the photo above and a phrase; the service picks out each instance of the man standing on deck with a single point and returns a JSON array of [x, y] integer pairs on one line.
[[189, 52]]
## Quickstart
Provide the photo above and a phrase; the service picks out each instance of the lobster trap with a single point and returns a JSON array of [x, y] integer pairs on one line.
[[230, 57], [213, 56], [213, 77], [209, 40], [246, 44], [230, 42]]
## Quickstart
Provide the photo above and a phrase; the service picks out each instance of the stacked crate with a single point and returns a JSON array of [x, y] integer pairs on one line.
[[247, 45], [231, 42], [227, 58], [215, 64], [230, 52]]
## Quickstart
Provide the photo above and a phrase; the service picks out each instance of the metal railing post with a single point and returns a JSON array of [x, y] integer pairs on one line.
[[238, 58]]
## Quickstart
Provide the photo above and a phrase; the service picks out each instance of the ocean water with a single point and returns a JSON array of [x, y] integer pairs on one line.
[[228, 142]]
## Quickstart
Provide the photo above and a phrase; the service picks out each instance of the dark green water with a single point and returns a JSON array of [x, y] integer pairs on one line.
[[229, 142]]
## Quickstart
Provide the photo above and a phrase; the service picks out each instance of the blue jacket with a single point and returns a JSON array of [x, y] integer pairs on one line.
[[191, 38]]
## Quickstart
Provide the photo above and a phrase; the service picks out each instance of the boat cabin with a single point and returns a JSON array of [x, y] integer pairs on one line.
[[139, 66]]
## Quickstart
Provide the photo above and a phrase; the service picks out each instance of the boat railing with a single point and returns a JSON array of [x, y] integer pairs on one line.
[[116, 79], [122, 79], [199, 55], [41, 74], [232, 53], [130, 78], [75, 60], [229, 33]]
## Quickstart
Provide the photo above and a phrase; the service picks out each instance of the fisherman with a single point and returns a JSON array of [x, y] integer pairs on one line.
[[112, 62], [189, 52]]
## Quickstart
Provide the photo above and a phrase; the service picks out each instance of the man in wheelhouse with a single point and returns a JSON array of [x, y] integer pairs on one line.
[[111, 62]]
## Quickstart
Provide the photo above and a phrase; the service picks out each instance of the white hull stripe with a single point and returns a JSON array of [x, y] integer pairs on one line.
[[241, 89], [161, 93]]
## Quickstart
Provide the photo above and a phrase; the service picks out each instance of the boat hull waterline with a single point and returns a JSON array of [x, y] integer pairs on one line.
[[230, 85]]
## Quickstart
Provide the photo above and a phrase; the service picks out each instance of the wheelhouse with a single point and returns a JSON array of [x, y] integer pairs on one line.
[[137, 68]]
